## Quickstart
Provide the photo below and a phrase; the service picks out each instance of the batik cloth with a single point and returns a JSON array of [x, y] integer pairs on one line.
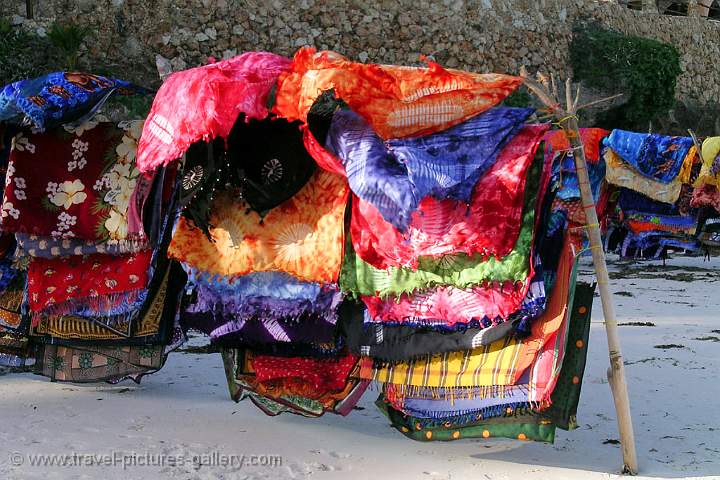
[[621, 174], [556, 141], [396, 175], [321, 374], [489, 225], [203, 103], [494, 366], [48, 247], [302, 237], [84, 193], [657, 157], [277, 397], [638, 222], [520, 426], [88, 286], [710, 169], [629, 200], [95, 364], [457, 270], [148, 323], [264, 161], [59, 98], [396, 101]]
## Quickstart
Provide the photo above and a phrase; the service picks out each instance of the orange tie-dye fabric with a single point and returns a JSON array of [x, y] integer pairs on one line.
[[303, 236], [396, 101]]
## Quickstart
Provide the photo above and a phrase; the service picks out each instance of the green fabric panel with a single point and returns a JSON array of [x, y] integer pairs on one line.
[[517, 426], [461, 270], [566, 396]]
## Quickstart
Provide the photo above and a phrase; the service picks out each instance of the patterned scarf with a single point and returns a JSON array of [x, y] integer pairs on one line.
[[397, 175], [493, 366], [84, 193], [204, 103], [459, 270], [621, 174], [710, 170], [557, 142], [657, 157], [396, 101], [89, 364], [488, 226], [320, 374], [302, 237], [59, 98], [88, 286]]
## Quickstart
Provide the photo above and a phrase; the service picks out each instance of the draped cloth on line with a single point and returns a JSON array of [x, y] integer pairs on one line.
[[656, 157], [396, 101], [499, 364], [621, 174], [302, 237], [457, 270], [83, 194], [488, 226], [203, 103], [59, 98]]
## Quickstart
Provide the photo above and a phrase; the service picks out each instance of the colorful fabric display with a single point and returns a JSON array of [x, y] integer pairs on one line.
[[204, 103], [489, 226], [395, 176], [396, 101], [657, 157], [83, 194], [302, 237], [59, 98]]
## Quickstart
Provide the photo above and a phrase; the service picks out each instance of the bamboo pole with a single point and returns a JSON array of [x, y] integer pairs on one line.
[[567, 119]]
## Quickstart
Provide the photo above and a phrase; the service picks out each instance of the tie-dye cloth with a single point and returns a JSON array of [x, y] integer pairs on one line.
[[303, 237], [83, 194], [489, 225], [59, 98], [458, 270], [396, 175], [657, 157], [556, 141], [396, 101], [204, 103]]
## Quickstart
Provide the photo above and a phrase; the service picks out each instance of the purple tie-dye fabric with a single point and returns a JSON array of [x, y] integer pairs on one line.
[[394, 176]]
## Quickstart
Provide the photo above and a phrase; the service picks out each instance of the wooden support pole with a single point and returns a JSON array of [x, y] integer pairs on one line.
[[567, 119], [616, 372]]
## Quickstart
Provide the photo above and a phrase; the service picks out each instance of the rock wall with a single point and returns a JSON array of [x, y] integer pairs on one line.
[[478, 35]]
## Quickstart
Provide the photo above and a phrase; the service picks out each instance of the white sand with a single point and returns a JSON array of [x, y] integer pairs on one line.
[[185, 410]]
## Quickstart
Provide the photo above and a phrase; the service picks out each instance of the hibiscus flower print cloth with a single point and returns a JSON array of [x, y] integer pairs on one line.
[[303, 236], [396, 101], [396, 175], [73, 184], [488, 226]]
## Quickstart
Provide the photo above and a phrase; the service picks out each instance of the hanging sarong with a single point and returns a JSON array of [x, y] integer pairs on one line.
[[488, 226]]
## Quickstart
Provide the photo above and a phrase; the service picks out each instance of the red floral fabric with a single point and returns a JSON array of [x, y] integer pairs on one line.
[[489, 225], [322, 374], [91, 279], [68, 184]]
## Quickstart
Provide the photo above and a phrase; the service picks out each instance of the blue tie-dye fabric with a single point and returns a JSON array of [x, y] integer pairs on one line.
[[58, 98], [566, 180], [278, 285], [396, 175], [630, 200], [656, 156]]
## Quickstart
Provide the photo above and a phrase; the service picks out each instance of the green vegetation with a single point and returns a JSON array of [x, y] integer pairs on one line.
[[644, 70]]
